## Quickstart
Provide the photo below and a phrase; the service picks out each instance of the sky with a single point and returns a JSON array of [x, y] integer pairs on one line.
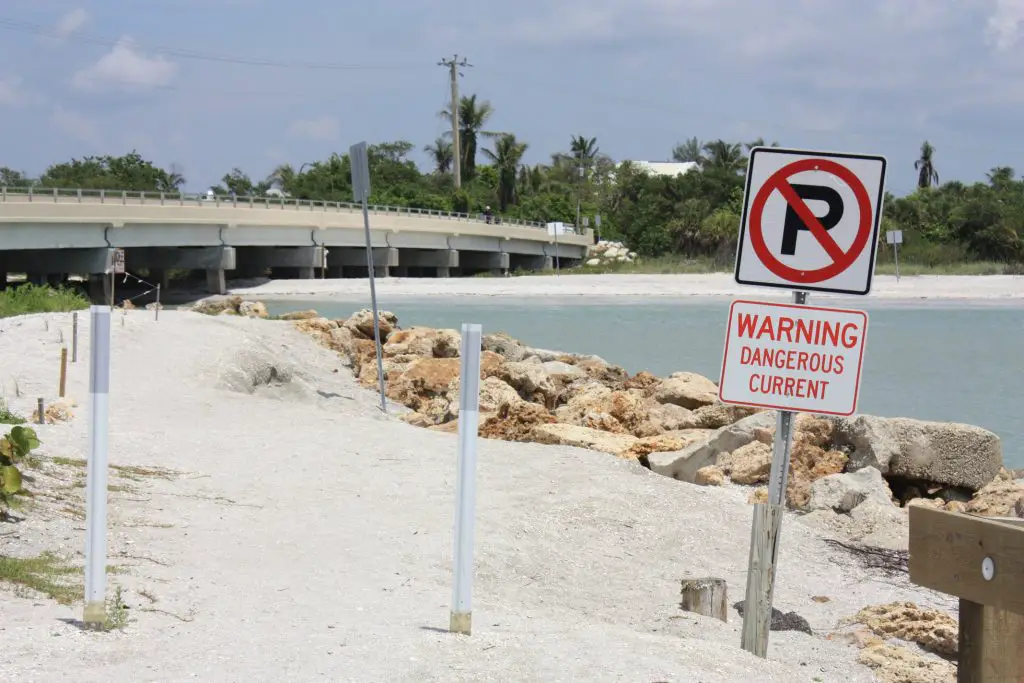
[[208, 85]]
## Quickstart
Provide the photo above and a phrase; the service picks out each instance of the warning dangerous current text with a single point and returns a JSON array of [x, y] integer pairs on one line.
[[789, 357]]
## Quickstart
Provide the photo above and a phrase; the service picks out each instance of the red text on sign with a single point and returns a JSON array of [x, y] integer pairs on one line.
[[816, 332]]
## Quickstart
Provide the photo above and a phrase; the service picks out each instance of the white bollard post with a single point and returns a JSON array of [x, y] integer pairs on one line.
[[465, 488], [96, 474]]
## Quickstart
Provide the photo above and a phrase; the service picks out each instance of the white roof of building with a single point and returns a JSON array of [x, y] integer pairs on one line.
[[669, 168]]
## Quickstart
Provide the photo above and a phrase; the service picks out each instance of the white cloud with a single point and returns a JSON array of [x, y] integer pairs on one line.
[[125, 68], [75, 125], [1004, 24], [71, 23], [324, 128]]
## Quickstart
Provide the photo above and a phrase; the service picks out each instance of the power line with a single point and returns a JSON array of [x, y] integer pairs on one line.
[[42, 30]]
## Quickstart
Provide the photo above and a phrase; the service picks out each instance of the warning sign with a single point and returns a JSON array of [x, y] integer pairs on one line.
[[797, 358], [117, 262], [810, 220]]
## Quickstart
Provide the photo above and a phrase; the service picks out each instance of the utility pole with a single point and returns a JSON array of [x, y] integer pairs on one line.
[[453, 69]]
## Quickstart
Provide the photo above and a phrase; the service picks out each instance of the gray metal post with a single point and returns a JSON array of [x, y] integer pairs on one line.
[[896, 255], [360, 163], [74, 337], [765, 534], [465, 487], [96, 473], [156, 309]]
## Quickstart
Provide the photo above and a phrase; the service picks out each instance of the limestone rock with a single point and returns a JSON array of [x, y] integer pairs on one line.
[[933, 630], [295, 315], [758, 495], [683, 464], [424, 379], [423, 341], [712, 475], [655, 444], [505, 346], [717, 415], [687, 389], [582, 437], [749, 464], [253, 309], [515, 421], [530, 380], [663, 417], [557, 369], [945, 453], [899, 664], [361, 322], [844, 492], [493, 393], [1000, 498]]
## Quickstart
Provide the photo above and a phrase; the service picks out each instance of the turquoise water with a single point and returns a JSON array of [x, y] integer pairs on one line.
[[950, 362]]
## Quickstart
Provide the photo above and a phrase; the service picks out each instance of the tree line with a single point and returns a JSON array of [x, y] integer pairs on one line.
[[692, 215]]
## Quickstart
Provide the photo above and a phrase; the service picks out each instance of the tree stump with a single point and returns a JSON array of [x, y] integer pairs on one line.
[[706, 597]]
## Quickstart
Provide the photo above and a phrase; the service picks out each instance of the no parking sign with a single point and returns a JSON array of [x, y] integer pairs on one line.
[[810, 220]]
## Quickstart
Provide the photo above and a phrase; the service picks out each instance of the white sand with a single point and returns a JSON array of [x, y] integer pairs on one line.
[[990, 288], [333, 560]]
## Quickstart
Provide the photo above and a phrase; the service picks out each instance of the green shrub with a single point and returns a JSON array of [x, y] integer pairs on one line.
[[29, 298], [14, 447]]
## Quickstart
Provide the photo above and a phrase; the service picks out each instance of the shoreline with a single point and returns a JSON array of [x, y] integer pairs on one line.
[[976, 290]]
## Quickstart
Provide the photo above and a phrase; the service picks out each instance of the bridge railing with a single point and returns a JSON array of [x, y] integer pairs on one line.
[[125, 197]]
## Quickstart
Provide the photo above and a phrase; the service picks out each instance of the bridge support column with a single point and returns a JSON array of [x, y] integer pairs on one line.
[[443, 260], [159, 276], [39, 263], [531, 262], [3, 280], [494, 262], [216, 281], [354, 259], [296, 263], [99, 289]]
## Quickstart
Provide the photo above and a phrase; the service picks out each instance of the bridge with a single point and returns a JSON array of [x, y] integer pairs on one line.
[[50, 234]]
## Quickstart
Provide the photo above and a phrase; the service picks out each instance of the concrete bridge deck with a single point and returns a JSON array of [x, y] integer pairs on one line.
[[49, 234]]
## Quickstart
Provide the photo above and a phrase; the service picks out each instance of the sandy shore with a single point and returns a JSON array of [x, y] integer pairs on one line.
[[309, 536], [1006, 289]]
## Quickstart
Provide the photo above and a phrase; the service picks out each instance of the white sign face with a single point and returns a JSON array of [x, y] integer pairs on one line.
[[894, 237], [117, 266], [810, 220], [799, 358]]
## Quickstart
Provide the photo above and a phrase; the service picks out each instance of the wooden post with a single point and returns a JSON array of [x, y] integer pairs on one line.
[[764, 552], [706, 597], [981, 561], [63, 369]]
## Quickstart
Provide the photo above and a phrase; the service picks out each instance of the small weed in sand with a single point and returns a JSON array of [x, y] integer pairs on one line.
[[9, 417], [138, 473], [68, 462], [117, 612], [46, 573]]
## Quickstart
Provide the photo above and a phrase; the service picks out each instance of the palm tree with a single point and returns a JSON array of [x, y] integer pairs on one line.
[[925, 167], [758, 143], [723, 156], [583, 149], [1000, 176], [507, 158], [171, 181], [473, 117], [441, 154], [283, 178], [688, 152]]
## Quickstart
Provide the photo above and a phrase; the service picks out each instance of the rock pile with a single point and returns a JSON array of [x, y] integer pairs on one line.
[[863, 467], [606, 253]]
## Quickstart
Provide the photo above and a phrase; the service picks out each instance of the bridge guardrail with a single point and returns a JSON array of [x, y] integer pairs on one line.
[[125, 197]]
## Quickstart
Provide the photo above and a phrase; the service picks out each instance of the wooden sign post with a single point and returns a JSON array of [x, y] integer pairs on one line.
[[981, 561]]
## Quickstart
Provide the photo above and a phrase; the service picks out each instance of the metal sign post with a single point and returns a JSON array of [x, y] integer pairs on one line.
[[895, 238], [784, 243], [360, 162], [96, 471], [465, 487], [597, 226]]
